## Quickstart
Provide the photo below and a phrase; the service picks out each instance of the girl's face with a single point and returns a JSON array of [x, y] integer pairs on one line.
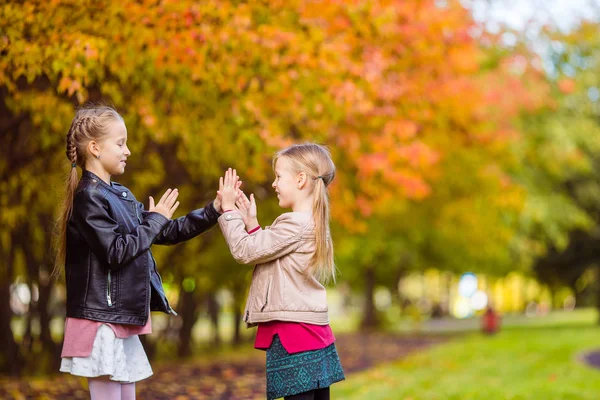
[[113, 148], [285, 183]]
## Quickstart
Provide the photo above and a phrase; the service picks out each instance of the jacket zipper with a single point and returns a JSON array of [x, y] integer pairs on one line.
[[266, 298], [136, 212], [169, 309], [250, 296], [108, 297]]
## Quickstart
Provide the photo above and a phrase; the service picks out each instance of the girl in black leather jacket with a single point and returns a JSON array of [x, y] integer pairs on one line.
[[111, 276]]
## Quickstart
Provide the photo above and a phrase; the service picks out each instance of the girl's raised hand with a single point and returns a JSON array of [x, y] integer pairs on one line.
[[247, 208], [167, 204], [218, 199], [228, 189]]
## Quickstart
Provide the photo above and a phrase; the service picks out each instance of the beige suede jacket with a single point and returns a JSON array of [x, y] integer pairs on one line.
[[282, 288]]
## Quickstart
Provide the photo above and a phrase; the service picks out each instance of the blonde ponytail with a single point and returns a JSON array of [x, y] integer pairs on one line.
[[316, 162], [322, 261]]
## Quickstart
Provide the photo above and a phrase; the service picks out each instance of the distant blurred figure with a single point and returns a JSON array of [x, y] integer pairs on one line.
[[490, 321]]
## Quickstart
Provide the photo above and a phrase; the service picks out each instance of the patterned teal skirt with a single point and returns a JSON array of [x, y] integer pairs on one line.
[[289, 374]]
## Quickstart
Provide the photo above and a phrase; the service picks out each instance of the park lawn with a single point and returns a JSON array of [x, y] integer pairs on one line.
[[532, 362]]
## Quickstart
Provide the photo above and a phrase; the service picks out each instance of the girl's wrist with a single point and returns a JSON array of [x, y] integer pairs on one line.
[[252, 224], [227, 207]]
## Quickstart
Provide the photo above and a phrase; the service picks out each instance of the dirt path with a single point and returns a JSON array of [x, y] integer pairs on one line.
[[223, 379]]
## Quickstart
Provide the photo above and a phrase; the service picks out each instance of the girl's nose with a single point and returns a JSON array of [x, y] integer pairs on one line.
[[127, 152], [273, 185]]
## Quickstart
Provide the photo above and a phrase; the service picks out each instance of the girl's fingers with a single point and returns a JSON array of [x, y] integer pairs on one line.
[[174, 208], [252, 201], [240, 194], [228, 177], [164, 196], [151, 205], [245, 201], [172, 197], [221, 183]]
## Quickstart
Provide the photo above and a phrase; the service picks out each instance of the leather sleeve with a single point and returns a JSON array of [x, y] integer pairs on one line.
[[101, 231], [188, 226]]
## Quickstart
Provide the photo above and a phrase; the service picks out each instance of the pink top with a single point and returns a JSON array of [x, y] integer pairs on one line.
[[80, 335], [295, 336]]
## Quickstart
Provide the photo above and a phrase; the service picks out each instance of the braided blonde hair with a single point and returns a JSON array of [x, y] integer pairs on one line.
[[90, 123]]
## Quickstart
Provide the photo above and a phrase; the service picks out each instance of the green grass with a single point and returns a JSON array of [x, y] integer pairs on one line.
[[539, 359]]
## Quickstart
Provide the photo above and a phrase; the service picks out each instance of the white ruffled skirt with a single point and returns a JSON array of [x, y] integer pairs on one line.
[[123, 360]]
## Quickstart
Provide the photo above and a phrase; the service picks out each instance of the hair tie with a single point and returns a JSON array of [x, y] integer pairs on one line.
[[73, 165]]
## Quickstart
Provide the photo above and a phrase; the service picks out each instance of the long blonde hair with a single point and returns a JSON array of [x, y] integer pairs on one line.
[[90, 123], [315, 160]]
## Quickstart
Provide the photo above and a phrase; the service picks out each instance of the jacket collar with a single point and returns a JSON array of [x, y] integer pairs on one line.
[[87, 175]]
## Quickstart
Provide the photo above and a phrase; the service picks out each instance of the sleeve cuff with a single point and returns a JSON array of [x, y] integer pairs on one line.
[[212, 211], [161, 219], [253, 230]]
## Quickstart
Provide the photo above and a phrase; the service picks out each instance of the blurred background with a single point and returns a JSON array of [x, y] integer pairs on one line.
[[467, 140]]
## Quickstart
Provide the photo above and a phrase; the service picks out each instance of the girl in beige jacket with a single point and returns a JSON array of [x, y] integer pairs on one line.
[[293, 259]]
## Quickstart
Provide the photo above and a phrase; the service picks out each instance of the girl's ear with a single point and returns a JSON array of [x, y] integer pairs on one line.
[[93, 148], [301, 181]]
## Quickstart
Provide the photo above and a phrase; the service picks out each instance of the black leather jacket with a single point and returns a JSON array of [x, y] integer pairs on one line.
[[110, 272]]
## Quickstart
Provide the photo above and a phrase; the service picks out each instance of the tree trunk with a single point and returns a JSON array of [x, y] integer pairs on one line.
[[213, 313], [188, 313], [11, 362], [46, 285], [237, 313], [38, 274], [399, 274], [27, 340], [370, 318]]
